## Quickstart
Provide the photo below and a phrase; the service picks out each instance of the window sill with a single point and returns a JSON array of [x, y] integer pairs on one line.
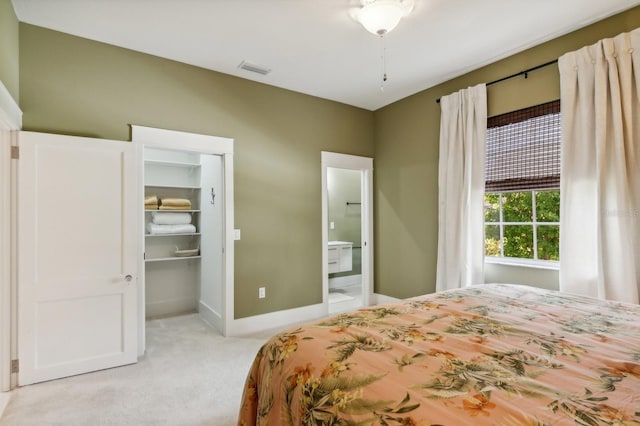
[[526, 263]]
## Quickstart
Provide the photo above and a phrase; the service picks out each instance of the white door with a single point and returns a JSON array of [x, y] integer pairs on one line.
[[77, 256], [211, 305]]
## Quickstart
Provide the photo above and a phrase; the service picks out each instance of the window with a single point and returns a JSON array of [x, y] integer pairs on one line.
[[522, 195]]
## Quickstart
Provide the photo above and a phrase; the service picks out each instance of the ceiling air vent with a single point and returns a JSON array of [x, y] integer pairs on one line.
[[248, 66]]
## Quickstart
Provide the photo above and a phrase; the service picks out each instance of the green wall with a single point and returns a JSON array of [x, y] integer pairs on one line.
[[9, 49], [406, 153], [72, 85], [343, 186]]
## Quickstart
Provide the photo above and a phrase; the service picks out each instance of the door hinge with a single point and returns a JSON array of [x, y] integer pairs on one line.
[[15, 153], [15, 366]]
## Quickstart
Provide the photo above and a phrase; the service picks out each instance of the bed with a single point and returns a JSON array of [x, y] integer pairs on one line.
[[492, 354]]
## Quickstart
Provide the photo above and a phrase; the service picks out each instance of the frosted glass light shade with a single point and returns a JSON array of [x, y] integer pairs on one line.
[[381, 16]]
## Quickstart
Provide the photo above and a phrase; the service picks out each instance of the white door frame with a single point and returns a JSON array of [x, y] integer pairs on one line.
[[171, 139], [365, 166], [10, 125]]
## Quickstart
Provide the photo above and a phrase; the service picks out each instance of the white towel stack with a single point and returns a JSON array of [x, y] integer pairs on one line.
[[169, 218], [170, 223]]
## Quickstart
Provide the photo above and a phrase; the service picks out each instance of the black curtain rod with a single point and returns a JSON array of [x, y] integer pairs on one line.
[[518, 74]]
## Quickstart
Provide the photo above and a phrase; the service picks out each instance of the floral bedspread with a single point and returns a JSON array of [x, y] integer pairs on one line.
[[486, 355]]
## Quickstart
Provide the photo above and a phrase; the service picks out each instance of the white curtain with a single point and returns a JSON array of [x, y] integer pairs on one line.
[[463, 134], [600, 177]]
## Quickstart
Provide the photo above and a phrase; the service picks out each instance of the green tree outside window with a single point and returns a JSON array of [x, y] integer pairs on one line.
[[511, 230]]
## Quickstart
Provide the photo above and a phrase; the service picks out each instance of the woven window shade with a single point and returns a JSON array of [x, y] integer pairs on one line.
[[523, 149]]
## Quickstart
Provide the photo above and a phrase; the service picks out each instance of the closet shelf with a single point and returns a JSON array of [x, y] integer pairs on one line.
[[148, 185], [166, 259], [180, 164], [196, 234]]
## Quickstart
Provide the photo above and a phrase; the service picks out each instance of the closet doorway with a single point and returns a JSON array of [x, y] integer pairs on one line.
[[347, 234], [186, 226]]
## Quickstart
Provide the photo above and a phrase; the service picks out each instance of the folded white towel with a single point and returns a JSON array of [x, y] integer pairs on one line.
[[168, 218], [154, 228]]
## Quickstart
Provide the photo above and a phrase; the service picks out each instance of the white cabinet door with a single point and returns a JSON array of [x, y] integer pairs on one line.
[[77, 256], [333, 257], [346, 258]]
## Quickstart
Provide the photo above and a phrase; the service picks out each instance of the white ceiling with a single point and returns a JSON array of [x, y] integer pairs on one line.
[[314, 46]]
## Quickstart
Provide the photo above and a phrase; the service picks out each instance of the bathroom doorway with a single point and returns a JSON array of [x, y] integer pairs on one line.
[[347, 231]]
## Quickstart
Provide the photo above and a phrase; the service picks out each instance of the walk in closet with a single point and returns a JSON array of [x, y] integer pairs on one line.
[[183, 224]]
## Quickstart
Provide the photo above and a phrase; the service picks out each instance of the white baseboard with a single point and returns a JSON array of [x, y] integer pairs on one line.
[[4, 401], [381, 299], [208, 314], [278, 319], [290, 317]]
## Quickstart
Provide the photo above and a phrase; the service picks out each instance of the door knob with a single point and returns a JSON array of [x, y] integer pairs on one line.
[[128, 278]]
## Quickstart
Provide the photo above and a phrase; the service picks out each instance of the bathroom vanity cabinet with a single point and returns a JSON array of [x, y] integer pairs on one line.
[[340, 256]]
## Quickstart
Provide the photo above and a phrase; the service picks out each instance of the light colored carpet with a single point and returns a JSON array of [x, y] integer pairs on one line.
[[190, 375]]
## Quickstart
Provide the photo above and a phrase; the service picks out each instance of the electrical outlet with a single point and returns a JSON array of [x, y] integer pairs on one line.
[[261, 293]]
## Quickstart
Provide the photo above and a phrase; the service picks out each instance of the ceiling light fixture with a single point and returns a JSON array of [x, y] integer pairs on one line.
[[381, 16]]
